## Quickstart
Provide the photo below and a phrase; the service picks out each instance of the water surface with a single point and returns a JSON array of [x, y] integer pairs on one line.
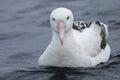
[[25, 33]]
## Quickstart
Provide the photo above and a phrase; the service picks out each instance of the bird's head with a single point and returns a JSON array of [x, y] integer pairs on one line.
[[61, 20]]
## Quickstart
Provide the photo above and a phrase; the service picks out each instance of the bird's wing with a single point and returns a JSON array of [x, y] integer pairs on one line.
[[80, 25], [92, 39]]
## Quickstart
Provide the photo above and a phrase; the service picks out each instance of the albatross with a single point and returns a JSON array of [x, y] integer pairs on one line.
[[73, 47]]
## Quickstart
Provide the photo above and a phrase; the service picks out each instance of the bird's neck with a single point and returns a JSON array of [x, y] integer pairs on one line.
[[68, 38]]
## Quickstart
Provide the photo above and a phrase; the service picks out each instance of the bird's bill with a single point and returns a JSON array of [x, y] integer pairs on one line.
[[61, 28]]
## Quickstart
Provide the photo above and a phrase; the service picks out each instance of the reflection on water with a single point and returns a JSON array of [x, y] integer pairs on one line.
[[106, 71], [25, 33]]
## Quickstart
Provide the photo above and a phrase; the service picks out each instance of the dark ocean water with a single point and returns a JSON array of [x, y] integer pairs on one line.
[[25, 33]]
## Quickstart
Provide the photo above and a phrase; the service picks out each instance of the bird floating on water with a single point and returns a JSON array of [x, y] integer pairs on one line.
[[75, 44]]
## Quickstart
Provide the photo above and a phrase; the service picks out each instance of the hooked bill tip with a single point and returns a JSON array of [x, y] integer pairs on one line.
[[61, 41]]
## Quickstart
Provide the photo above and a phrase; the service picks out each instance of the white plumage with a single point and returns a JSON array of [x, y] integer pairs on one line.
[[72, 48]]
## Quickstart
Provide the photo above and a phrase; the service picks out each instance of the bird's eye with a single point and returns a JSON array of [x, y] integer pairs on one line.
[[53, 19], [68, 17]]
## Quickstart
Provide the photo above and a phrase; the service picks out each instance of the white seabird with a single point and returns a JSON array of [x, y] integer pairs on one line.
[[72, 48]]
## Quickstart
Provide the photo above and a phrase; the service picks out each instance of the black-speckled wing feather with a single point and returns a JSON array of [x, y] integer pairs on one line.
[[79, 25]]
